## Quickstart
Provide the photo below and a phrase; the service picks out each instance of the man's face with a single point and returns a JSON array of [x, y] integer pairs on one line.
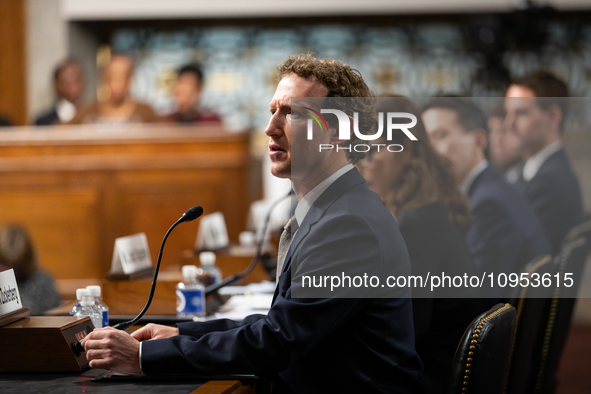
[[525, 119], [279, 129], [70, 82], [118, 77], [504, 146], [449, 138], [186, 91]]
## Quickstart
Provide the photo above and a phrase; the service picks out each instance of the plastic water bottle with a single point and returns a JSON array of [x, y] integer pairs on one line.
[[77, 307], [87, 308], [190, 294], [95, 291], [207, 260]]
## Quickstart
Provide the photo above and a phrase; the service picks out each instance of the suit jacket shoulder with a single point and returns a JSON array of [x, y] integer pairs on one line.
[[555, 195], [505, 234], [47, 119]]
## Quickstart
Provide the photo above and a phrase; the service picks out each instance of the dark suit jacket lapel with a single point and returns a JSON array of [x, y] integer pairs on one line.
[[339, 187], [479, 179], [322, 203]]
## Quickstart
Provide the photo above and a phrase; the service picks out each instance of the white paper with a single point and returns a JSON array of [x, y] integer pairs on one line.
[[131, 254], [10, 298], [212, 233]]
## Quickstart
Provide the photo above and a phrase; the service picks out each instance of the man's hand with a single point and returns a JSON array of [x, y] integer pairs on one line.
[[155, 331], [108, 348]]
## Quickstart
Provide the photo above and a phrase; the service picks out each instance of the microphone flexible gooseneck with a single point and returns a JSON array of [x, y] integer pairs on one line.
[[191, 214], [234, 278]]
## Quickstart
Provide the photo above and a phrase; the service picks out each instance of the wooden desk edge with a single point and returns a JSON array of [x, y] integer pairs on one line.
[[223, 387]]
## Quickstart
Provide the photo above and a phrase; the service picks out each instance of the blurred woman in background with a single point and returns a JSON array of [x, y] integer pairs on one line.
[[36, 287], [418, 188]]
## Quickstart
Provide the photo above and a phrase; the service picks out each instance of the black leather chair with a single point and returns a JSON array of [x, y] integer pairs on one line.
[[531, 304], [571, 260], [482, 357]]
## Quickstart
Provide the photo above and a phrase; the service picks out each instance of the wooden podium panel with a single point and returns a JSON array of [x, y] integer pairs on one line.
[[78, 188]]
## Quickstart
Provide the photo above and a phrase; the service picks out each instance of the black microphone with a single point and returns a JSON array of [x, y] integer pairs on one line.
[[235, 278], [191, 214]]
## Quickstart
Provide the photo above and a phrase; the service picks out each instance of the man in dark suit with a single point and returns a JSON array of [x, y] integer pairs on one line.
[[68, 82], [536, 105], [505, 234], [328, 344]]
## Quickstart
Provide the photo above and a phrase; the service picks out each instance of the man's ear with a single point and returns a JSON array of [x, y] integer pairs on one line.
[[334, 133], [481, 138], [554, 114]]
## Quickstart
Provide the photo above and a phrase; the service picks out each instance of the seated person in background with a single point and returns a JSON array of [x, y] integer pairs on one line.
[[418, 188], [35, 285], [505, 233], [68, 82], [4, 122], [536, 105], [505, 152], [117, 107], [187, 92]]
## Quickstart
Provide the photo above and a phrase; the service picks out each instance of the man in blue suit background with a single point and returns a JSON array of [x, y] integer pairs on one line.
[[505, 234], [308, 345], [536, 106]]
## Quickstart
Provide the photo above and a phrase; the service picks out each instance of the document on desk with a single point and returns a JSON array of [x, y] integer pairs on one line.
[[240, 306], [252, 288]]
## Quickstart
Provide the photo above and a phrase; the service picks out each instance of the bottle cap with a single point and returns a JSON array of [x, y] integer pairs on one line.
[[79, 293], [95, 291], [189, 271], [207, 258], [86, 300], [247, 238]]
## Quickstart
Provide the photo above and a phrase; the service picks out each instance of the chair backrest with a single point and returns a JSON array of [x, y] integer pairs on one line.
[[569, 263], [531, 304], [482, 357]]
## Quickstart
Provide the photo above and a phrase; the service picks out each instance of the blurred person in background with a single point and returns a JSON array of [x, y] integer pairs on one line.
[[505, 151], [505, 234], [68, 83], [116, 107], [417, 186], [5, 122], [187, 94], [35, 285], [536, 107]]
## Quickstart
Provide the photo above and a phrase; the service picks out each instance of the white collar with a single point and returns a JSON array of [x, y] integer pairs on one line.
[[65, 110], [305, 203], [533, 164], [469, 179]]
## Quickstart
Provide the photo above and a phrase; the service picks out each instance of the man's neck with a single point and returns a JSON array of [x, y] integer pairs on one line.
[[301, 187], [552, 138]]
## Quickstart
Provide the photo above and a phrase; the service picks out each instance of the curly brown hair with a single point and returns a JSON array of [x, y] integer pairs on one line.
[[427, 177], [341, 80]]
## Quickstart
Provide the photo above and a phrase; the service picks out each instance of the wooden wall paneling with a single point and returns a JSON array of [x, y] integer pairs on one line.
[[62, 223], [13, 65], [78, 190]]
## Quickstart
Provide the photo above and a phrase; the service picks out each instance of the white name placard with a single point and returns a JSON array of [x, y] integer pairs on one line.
[[131, 254], [10, 298], [212, 233]]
